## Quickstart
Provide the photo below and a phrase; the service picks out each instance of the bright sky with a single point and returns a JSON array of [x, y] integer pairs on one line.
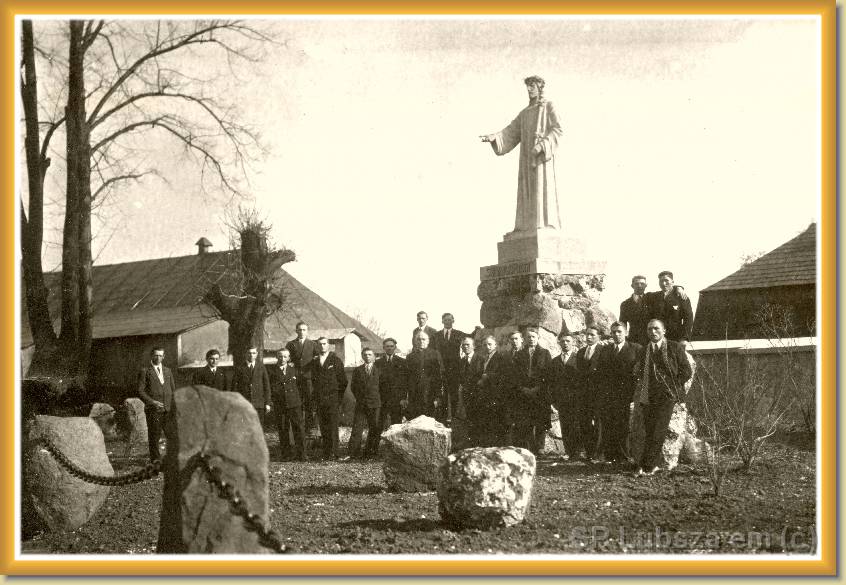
[[687, 144]]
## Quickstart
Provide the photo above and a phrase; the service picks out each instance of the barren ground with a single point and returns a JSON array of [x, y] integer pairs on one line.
[[344, 507]]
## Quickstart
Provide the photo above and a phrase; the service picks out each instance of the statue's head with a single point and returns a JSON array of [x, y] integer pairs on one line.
[[534, 85]]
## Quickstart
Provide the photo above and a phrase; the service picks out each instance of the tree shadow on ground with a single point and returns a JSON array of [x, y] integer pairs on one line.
[[414, 525], [332, 489]]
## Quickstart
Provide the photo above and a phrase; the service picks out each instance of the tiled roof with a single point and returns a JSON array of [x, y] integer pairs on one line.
[[794, 262], [163, 296]]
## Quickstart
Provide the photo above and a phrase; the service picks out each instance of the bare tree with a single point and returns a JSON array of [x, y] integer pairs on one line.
[[250, 289], [130, 88]]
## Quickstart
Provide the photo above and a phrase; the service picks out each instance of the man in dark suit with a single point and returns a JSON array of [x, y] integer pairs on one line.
[[393, 384], [673, 308], [592, 394], [425, 378], [303, 350], [422, 319], [620, 378], [211, 375], [470, 405], [155, 388], [563, 391], [532, 403], [368, 401], [663, 371], [447, 342], [493, 397], [287, 407], [635, 311], [329, 382], [252, 382]]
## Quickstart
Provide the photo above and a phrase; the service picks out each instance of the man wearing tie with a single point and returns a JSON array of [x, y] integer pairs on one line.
[[303, 350], [393, 384], [422, 319], [663, 371], [368, 401], [211, 375], [532, 403], [563, 391], [252, 382], [287, 407], [470, 406], [448, 343], [329, 382], [155, 388], [620, 378], [591, 399], [425, 378], [494, 398]]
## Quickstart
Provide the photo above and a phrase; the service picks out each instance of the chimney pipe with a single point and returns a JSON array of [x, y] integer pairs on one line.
[[203, 246]]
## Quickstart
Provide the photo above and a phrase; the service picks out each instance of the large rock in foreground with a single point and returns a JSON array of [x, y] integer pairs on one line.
[[414, 451], [62, 501], [486, 487], [194, 517]]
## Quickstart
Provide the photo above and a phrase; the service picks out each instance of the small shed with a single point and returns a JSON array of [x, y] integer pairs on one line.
[[786, 277]]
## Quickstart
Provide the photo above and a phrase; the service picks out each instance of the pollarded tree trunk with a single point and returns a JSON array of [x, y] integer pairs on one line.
[[247, 308], [32, 223]]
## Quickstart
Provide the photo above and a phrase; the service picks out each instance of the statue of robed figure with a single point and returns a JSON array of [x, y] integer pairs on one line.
[[537, 130]]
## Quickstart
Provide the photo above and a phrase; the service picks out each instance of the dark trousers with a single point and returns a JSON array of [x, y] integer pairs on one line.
[[656, 421], [589, 423], [570, 421], [154, 431], [615, 424], [369, 417], [289, 422], [390, 414], [451, 397], [309, 405], [327, 418]]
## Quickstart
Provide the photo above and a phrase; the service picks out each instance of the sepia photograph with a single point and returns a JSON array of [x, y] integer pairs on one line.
[[330, 293]]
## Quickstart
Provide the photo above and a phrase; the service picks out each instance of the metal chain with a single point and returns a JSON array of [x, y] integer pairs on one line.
[[149, 471], [267, 536]]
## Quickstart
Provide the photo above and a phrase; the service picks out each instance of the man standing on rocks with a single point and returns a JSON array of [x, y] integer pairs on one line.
[[303, 350], [393, 384], [447, 342], [663, 371], [287, 406], [532, 402], [422, 319], [672, 308], [425, 378], [155, 388], [368, 401], [329, 382], [252, 382], [638, 309], [563, 390], [620, 379], [211, 375]]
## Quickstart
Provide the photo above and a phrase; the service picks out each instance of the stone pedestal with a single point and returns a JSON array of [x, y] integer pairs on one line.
[[542, 280]]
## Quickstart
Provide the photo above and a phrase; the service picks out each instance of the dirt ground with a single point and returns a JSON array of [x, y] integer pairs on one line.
[[343, 507]]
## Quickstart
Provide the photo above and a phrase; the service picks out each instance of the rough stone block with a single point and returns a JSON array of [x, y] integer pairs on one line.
[[413, 453], [194, 517], [62, 501], [486, 487]]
